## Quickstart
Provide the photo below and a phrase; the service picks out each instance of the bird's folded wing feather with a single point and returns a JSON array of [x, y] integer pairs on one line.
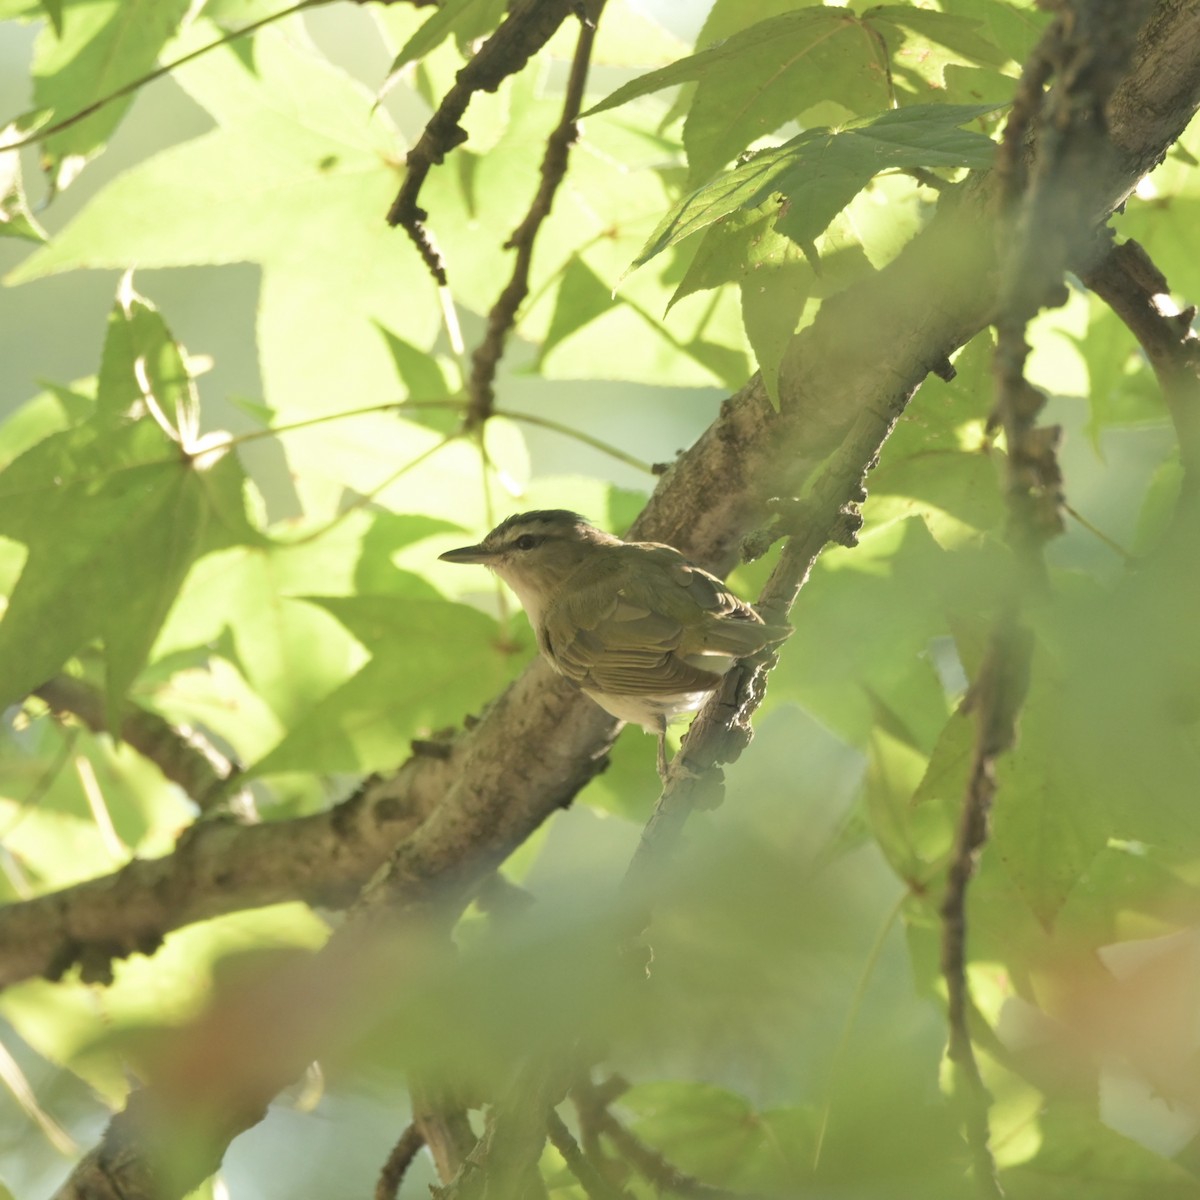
[[627, 625]]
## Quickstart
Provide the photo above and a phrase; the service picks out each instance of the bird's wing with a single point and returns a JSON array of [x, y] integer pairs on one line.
[[629, 623]]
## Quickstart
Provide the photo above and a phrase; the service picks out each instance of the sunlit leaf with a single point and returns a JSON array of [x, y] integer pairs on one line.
[[101, 47], [820, 171]]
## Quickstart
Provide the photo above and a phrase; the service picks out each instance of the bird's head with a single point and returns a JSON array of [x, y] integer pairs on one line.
[[535, 552]]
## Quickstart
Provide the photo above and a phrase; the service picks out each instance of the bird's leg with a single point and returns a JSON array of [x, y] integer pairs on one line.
[[662, 748]]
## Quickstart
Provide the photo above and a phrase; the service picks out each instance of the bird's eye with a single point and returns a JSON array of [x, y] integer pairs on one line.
[[526, 542]]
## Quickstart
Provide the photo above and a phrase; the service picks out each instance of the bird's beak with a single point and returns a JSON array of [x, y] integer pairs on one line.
[[467, 554]]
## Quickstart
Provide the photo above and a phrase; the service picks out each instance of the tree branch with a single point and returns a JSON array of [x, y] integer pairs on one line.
[[554, 169], [1086, 50], [594, 1184], [521, 35], [184, 756], [1131, 285], [219, 866], [592, 1103], [407, 1147]]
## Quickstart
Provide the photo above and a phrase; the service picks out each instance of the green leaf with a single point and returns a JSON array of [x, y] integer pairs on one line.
[[52, 411], [922, 43], [1046, 832], [143, 371], [112, 520], [1012, 25], [113, 509], [819, 172], [464, 20], [728, 17], [772, 301], [1122, 389], [103, 45], [431, 662], [582, 297], [299, 159], [762, 77], [15, 218]]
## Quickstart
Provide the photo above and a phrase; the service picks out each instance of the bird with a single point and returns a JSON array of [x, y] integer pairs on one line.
[[643, 631]]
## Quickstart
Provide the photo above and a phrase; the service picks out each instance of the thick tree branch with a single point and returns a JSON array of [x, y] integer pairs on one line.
[[219, 866]]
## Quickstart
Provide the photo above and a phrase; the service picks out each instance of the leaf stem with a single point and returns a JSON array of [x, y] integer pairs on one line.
[[41, 134], [586, 438]]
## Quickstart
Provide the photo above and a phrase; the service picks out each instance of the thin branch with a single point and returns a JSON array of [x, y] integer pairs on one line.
[[43, 132], [407, 1147], [1126, 279], [593, 1182], [184, 755], [1040, 230], [521, 35], [578, 435], [648, 1162], [443, 1126], [503, 316], [721, 730]]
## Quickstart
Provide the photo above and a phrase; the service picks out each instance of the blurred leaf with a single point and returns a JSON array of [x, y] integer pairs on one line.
[[103, 45], [865, 626], [1046, 831], [1076, 1145], [291, 652], [1122, 388], [820, 171]]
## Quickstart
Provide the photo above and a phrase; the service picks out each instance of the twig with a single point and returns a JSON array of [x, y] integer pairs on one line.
[[184, 755], [721, 730], [407, 1147], [578, 435], [43, 132], [521, 35], [1040, 230], [503, 315], [996, 698], [590, 1178], [443, 1126], [1126, 279], [648, 1162]]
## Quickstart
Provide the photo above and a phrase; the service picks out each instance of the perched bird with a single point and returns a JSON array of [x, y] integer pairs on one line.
[[643, 631]]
